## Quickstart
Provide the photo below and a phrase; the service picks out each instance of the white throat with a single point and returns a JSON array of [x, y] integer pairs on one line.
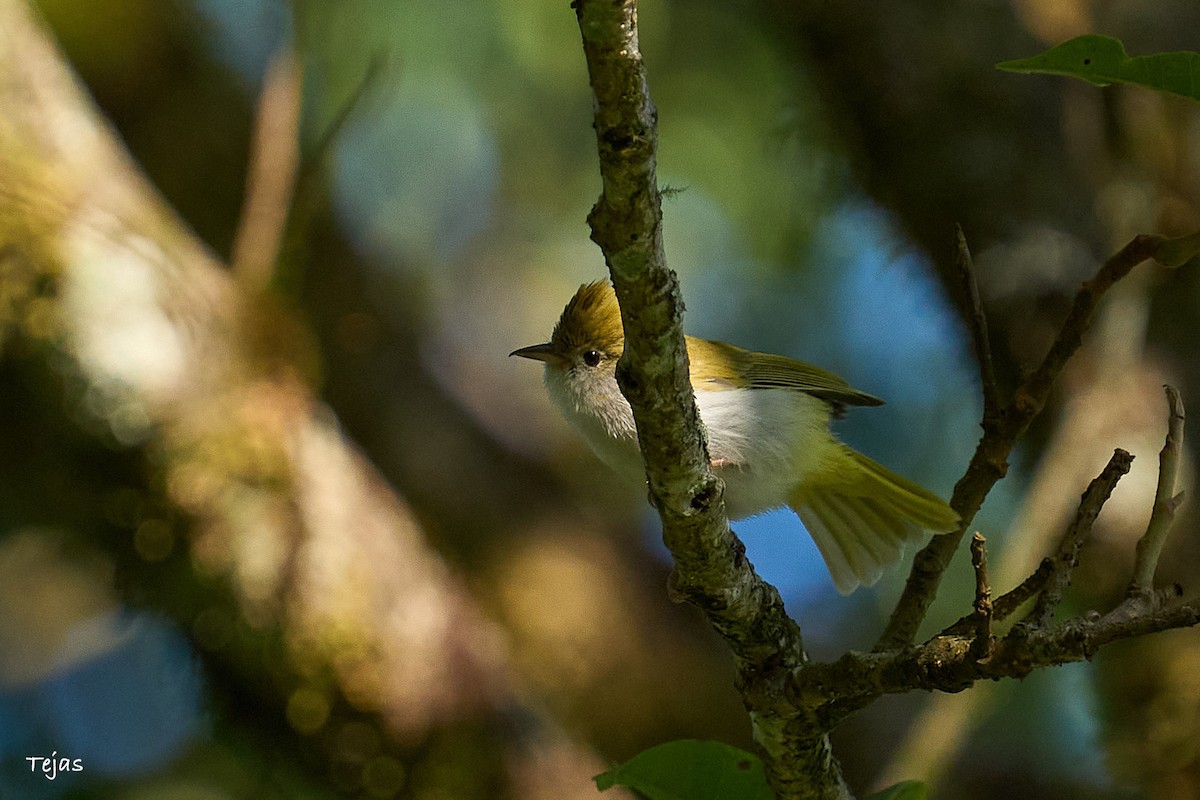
[[593, 404]]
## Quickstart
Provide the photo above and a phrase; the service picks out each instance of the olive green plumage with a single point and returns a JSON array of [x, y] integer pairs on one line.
[[767, 420]]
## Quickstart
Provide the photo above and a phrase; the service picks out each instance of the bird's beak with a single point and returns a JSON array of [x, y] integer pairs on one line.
[[538, 352]]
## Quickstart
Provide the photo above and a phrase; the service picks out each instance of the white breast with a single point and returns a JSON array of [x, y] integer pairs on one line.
[[764, 441]]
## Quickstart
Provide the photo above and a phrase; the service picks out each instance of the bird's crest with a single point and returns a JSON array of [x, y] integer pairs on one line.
[[592, 319]]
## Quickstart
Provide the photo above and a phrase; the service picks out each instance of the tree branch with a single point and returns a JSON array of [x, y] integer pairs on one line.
[[947, 664], [979, 324], [981, 648], [1067, 557], [270, 175], [794, 703], [990, 461], [1149, 547], [955, 659], [1007, 604], [711, 569]]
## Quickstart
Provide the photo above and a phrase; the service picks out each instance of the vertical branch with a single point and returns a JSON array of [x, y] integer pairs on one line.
[[1149, 547], [271, 174], [979, 325], [711, 569], [626, 223], [981, 647]]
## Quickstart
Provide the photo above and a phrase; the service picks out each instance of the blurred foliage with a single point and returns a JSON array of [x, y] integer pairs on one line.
[[823, 152]]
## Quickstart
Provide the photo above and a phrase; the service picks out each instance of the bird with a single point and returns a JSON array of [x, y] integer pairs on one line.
[[767, 422]]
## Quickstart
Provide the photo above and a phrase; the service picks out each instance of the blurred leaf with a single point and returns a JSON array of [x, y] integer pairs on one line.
[[904, 790], [1102, 60], [690, 769]]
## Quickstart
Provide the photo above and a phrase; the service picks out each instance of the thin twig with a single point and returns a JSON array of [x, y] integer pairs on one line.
[[1007, 604], [270, 175], [981, 647], [1166, 501], [979, 325], [1067, 557], [310, 179], [324, 145]]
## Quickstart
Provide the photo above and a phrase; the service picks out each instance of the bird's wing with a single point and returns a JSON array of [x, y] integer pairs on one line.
[[729, 366]]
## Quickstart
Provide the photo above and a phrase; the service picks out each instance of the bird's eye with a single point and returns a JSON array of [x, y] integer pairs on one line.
[[591, 357]]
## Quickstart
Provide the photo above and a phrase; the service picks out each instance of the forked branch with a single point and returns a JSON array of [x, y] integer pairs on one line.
[[966, 652], [1002, 429]]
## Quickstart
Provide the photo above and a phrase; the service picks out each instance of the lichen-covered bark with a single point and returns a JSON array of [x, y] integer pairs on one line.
[[711, 569]]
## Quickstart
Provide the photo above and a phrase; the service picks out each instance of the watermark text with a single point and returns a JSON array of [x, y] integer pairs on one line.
[[52, 766]]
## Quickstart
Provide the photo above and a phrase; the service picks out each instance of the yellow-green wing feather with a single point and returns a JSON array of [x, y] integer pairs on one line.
[[862, 515], [729, 366]]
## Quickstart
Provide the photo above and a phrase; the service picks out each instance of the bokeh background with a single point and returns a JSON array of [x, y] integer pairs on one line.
[[286, 522]]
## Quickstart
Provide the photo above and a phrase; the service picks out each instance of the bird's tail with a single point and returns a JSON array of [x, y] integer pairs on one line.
[[861, 515]]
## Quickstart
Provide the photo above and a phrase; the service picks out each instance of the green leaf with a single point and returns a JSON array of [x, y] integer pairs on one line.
[[1102, 60], [690, 769], [905, 790]]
